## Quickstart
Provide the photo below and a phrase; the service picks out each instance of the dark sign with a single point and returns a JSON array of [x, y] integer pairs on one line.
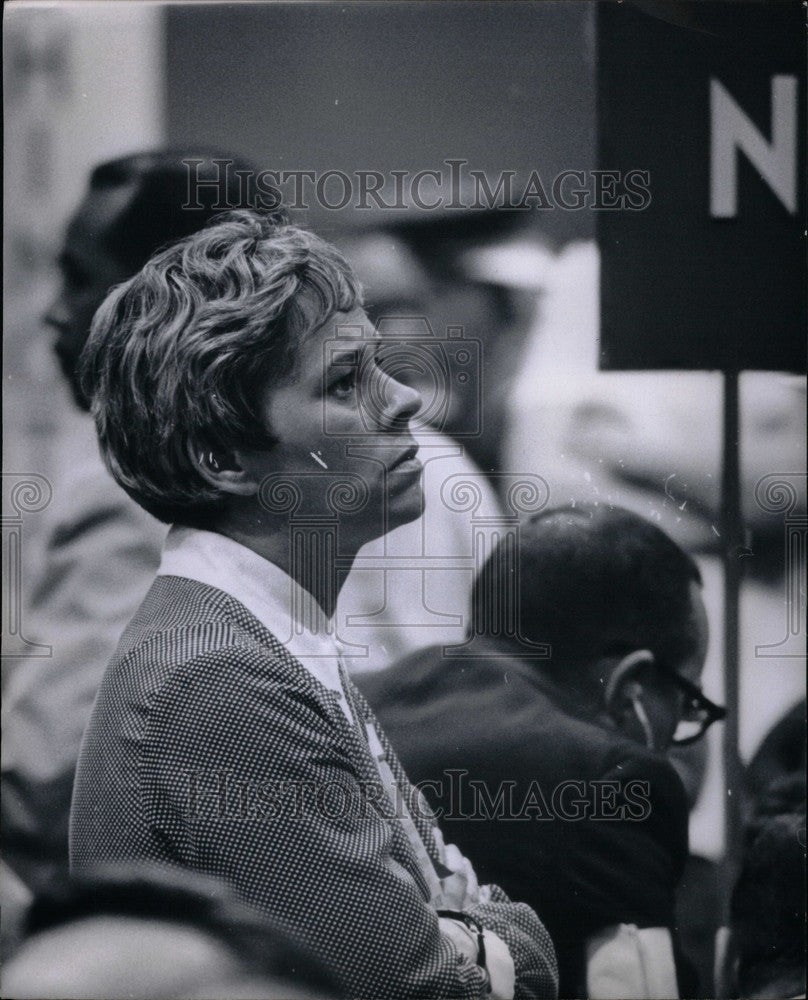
[[709, 99]]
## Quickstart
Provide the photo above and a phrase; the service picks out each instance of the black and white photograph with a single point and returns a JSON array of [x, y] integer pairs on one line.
[[404, 500]]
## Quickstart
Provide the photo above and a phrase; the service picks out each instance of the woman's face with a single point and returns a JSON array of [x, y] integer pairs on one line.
[[341, 420]]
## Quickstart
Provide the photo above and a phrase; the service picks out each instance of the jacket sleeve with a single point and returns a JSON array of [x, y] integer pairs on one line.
[[517, 924], [249, 780]]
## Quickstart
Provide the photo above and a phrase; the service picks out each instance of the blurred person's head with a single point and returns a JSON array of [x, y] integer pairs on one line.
[[242, 353], [436, 287], [146, 934], [427, 323], [767, 913], [619, 604], [394, 281], [782, 753], [135, 205]]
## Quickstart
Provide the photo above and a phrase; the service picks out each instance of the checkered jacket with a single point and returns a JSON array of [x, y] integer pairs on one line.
[[211, 748]]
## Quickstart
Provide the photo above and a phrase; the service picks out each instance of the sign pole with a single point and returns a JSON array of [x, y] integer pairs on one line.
[[733, 545]]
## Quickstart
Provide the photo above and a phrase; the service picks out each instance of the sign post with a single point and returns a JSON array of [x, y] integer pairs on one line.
[[708, 99]]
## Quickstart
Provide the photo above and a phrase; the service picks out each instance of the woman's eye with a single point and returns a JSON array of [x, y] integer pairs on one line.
[[344, 386]]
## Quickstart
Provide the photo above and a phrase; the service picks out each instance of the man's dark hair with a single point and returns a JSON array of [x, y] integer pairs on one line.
[[262, 947], [174, 193], [592, 581]]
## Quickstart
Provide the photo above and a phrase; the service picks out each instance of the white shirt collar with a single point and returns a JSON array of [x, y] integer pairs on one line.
[[283, 607]]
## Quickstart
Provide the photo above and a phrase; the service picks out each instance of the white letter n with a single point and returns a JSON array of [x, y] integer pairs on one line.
[[731, 129]]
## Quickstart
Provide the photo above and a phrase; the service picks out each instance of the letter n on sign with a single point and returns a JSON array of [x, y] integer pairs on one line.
[[709, 98]]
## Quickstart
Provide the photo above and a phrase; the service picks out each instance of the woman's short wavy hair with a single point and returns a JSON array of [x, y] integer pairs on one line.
[[179, 355]]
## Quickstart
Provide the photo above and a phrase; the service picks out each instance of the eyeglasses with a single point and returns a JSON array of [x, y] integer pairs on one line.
[[698, 713]]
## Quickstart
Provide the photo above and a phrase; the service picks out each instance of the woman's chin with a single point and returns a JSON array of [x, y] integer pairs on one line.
[[405, 497]]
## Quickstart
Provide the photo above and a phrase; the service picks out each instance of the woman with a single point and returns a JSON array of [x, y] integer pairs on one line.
[[237, 395]]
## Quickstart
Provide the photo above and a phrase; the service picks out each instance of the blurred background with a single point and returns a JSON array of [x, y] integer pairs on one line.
[[385, 87], [293, 87], [390, 87]]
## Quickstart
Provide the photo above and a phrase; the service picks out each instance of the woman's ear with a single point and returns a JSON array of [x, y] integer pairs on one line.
[[623, 684], [222, 470]]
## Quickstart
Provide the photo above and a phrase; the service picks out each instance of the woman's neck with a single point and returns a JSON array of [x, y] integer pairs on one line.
[[307, 555]]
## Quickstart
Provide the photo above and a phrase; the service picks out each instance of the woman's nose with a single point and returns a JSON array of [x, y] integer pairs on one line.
[[399, 403]]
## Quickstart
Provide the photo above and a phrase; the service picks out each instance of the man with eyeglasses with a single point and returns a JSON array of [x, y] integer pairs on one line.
[[545, 752]]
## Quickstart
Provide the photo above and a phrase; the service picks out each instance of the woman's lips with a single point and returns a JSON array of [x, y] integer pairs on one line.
[[407, 465], [406, 458]]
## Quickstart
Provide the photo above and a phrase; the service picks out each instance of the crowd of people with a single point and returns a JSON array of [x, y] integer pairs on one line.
[[339, 705]]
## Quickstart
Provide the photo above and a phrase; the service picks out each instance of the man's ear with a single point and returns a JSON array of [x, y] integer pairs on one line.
[[623, 684], [222, 470]]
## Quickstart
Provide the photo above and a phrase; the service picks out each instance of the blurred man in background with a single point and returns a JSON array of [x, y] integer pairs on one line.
[[561, 786], [483, 271], [412, 588], [101, 550], [456, 295], [650, 441]]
